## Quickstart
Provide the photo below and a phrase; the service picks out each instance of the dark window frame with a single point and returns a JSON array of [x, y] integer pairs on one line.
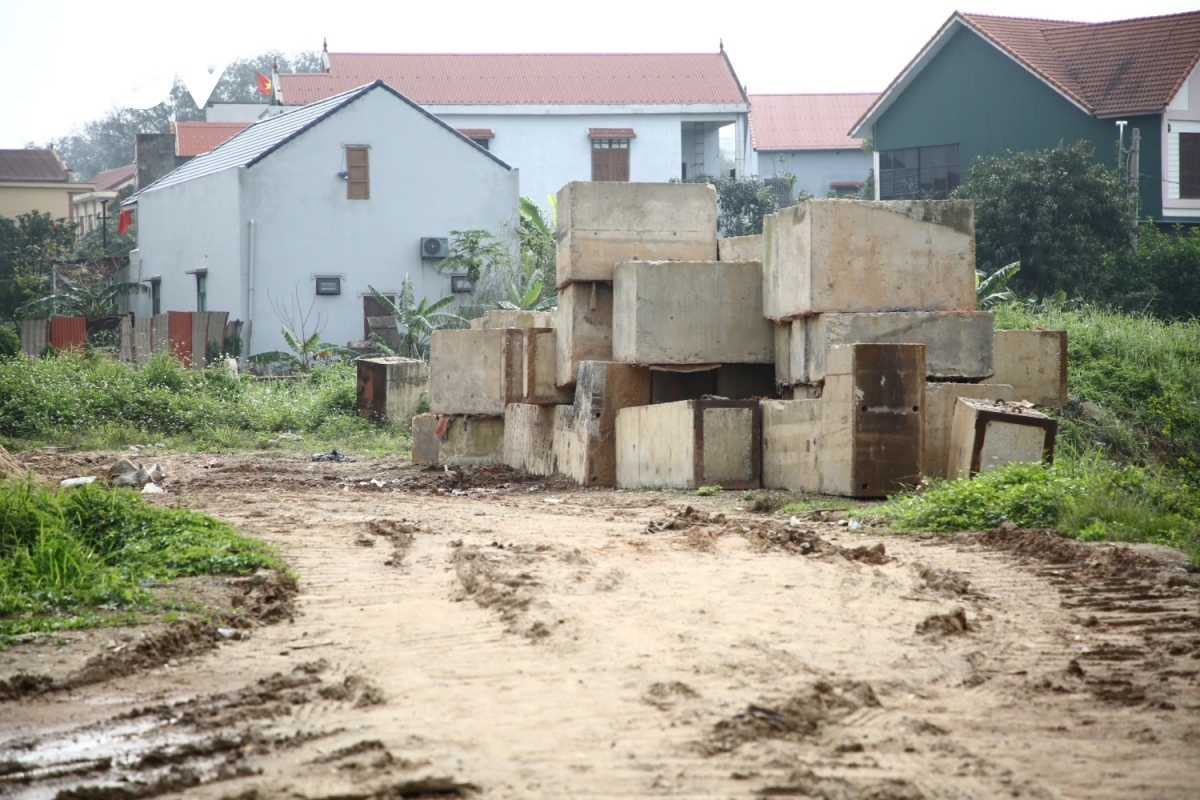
[[156, 297], [1189, 166], [202, 290], [933, 171], [333, 284]]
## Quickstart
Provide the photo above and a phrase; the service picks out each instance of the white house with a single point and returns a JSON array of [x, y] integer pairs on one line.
[[563, 117], [324, 200], [807, 136]]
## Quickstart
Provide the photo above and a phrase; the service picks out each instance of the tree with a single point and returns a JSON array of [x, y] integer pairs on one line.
[[741, 204], [73, 299], [539, 249], [415, 321], [474, 252], [30, 248], [98, 243], [1058, 212], [1163, 277]]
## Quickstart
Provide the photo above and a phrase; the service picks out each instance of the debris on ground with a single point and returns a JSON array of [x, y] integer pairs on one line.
[[334, 456]]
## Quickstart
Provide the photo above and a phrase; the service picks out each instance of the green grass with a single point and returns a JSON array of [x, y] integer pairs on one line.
[[93, 403], [79, 558]]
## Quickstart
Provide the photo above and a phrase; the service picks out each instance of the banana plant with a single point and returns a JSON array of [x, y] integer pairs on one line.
[[77, 300], [415, 321], [304, 353], [525, 294], [992, 290]]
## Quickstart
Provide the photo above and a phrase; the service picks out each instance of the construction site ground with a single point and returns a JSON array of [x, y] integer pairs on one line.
[[487, 634]]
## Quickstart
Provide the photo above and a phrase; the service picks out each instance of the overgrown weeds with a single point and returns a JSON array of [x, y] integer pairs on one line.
[[68, 558]]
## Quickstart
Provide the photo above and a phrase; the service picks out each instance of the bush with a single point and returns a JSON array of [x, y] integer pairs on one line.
[[1164, 276], [10, 342]]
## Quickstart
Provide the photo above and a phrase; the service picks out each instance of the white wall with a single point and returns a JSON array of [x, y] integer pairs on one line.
[[1182, 116], [424, 181], [815, 170]]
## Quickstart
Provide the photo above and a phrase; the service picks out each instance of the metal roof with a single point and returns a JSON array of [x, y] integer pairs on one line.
[[266, 136], [31, 164], [112, 178], [529, 78], [782, 122]]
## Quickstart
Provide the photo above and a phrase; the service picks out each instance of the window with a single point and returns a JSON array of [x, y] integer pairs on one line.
[[358, 183], [929, 172], [610, 159], [460, 284], [329, 285], [1189, 166], [377, 311], [202, 291], [484, 143], [156, 297]]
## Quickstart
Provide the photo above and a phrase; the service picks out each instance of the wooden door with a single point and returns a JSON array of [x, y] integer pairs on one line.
[[610, 159]]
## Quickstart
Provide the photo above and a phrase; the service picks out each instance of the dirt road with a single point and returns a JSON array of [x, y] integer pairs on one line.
[[464, 635]]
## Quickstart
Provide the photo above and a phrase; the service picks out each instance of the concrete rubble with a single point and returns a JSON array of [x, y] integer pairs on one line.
[[840, 353]]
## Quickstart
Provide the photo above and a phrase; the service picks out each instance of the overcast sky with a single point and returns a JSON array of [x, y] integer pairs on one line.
[[68, 62]]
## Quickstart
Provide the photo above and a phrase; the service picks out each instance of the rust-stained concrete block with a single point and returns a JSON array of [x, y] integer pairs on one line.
[[584, 328], [986, 436], [850, 255], [940, 400], [391, 388], [1034, 363], [601, 223], [690, 312], [740, 248], [585, 437], [690, 444], [456, 440], [529, 438], [475, 371]]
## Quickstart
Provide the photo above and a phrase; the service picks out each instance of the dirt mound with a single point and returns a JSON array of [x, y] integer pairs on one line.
[[11, 469], [953, 623], [1048, 547], [797, 717], [398, 532], [944, 581], [806, 783], [665, 695], [496, 477], [688, 518], [500, 581]]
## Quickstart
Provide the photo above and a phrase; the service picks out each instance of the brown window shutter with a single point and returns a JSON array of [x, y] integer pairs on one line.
[[610, 159], [358, 183], [1189, 165]]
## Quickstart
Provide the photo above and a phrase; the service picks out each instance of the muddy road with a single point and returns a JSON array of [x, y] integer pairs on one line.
[[480, 635]]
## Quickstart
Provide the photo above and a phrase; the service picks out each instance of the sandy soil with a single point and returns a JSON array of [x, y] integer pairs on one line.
[[483, 635]]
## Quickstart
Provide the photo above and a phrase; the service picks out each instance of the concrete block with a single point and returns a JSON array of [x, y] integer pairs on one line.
[[690, 444], [585, 438], [958, 344], [507, 318], [690, 312], [740, 248], [390, 389], [940, 400], [540, 367], [601, 223], [986, 436], [456, 440], [529, 438], [584, 328], [475, 371], [1035, 364], [850, 255], [863, 437]]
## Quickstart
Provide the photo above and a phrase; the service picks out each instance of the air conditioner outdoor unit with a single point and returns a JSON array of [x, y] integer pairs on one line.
[[434, 247]]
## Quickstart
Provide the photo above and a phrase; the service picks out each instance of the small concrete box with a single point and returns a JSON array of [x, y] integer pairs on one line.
[[850, 255], [539, 369], [475, 371], [863, 437], [602, 223], [740, 248], [958, 344], [505, 318], [1035, 364], [457, 441], [584, 329], [690, 444], [390, 389], [585, 438], [987, 436], [529, 438], [940, 401], [690, 312]]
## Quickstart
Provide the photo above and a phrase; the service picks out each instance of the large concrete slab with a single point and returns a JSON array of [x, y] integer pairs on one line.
[[863, 437], [475, 371], [940, 400], [540, 368], [986, 436], [585, 437], [689, 444], [601, 223], [391, 389], [1035, 364], [958, 344], [506, 318], [457, 441], [529, 438], [584, 328], [850, 255], [690, 312], [740, 248]]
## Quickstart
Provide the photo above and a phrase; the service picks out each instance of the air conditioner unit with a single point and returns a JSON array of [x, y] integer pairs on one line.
[[434, 247]]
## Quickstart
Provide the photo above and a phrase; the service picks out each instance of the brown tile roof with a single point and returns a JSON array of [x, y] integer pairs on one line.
[[806, 121], [112, 178], [611, 133], [527, 79], [195, 138], [477, 133], [31, 165], [1109, 68]]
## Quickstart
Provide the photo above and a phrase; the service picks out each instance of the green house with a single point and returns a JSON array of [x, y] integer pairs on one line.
[[986, 85]]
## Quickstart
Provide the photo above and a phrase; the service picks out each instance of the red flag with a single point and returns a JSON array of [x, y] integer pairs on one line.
[[264, 84], [125, 220]]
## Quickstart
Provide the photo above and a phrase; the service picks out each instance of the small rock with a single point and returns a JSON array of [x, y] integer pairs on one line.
[[71, 483], [229, 633]]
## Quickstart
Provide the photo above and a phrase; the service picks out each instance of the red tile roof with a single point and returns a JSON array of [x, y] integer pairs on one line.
[[112, 178], [611, 133], [477, 133], [527, 79], [806, 121], [195, 138], [31, 165]]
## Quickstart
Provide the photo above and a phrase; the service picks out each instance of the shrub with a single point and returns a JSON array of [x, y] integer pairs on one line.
[[10, 342]]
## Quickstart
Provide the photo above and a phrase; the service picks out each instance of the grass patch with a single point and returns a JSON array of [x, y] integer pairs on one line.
[[80, 558], [88, 402]]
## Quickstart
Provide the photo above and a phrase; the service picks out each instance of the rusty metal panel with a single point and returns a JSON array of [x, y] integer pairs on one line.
[[372, 389], [889, 383], [142, 333], [199, 339], [160, 335], [35, 335], [126, 334], [179, 335], [68, 333]]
